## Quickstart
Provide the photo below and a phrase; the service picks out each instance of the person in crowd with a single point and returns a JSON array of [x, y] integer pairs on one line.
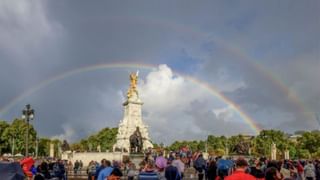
[[172, 172], [116, 173], [161, 162], [272, 173], [177, 162], [69, 166], [80, 166], [200, 166], [309, 171], [99, 168], [256, 170], [91, 170], [239, 173], [224, 167], [131, 171], [148, 172], [26, 165], [317, 167], [284, 170], [293, 170], [76, 167], [106, 171], [43, 170], [212, 170], [300, 170], [277, 165], [59, 170]]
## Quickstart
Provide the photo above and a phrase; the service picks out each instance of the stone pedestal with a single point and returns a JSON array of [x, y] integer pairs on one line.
[[131, 120], [136, 159]]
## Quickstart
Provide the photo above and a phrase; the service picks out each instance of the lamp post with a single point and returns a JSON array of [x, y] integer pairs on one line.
[[206, 145], [27, 114], [37, 147]]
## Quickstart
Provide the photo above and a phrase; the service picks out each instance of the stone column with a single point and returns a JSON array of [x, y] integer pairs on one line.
[[226, 151], [286, 154], [273, 151], [51, 150]]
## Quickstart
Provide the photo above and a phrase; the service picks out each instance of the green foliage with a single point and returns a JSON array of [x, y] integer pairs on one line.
[[303, 154], [215, 142], [44, 147], [316, 155], [310, 141], [104, 138], [292, 151], [192, 145], [306, 146], [4, 144], [266, 137], [17, 131]]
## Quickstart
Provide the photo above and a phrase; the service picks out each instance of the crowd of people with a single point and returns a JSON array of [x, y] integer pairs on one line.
[[173, 166], [40, 169], [219, 168]]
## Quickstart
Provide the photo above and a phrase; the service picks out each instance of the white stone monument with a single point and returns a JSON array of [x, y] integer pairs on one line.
[[132, 119]]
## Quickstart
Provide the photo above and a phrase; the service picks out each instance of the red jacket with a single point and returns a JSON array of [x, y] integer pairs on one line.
[[240, 175], [26, 166]]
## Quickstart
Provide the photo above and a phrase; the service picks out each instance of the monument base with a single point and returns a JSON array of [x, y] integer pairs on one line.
[[136, 159]]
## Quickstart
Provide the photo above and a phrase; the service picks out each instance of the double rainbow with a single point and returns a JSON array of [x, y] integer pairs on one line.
[[211, 89]]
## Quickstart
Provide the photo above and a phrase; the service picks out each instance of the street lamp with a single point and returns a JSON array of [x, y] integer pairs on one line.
[[27, 114]]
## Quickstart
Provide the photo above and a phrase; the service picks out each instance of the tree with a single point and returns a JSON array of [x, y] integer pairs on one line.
[[44, 147], [310, 141], [17, 130], [303, 154], [105, 138], [215, 142], [4, 145], [266, 137]]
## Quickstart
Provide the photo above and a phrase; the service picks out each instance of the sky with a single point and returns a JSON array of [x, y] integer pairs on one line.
[[264, 57]]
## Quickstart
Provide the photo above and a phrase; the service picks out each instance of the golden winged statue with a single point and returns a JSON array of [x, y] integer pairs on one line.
[[133, 84]]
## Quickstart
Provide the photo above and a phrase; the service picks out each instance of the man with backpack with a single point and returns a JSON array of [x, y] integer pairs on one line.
[[172, 172], [200, 166], [223, 167]]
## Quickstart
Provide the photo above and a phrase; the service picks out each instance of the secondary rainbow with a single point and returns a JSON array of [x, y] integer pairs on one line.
[[247, 119]]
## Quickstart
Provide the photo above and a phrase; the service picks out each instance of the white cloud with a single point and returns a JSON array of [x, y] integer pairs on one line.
[[175, 108], [225, 114], [164, 91], [69, 133]]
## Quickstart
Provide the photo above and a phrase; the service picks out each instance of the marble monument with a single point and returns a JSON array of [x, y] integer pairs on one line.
[[132, 123]]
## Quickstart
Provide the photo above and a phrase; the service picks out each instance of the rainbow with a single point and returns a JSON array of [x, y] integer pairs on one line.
[[235, 50], [211, 89]]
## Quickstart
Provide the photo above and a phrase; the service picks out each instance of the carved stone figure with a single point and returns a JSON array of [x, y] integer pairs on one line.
[[136, 142], [65, 146], [242, 148]]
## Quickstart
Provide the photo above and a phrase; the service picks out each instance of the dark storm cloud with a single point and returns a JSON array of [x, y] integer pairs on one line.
[[41, 39]]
